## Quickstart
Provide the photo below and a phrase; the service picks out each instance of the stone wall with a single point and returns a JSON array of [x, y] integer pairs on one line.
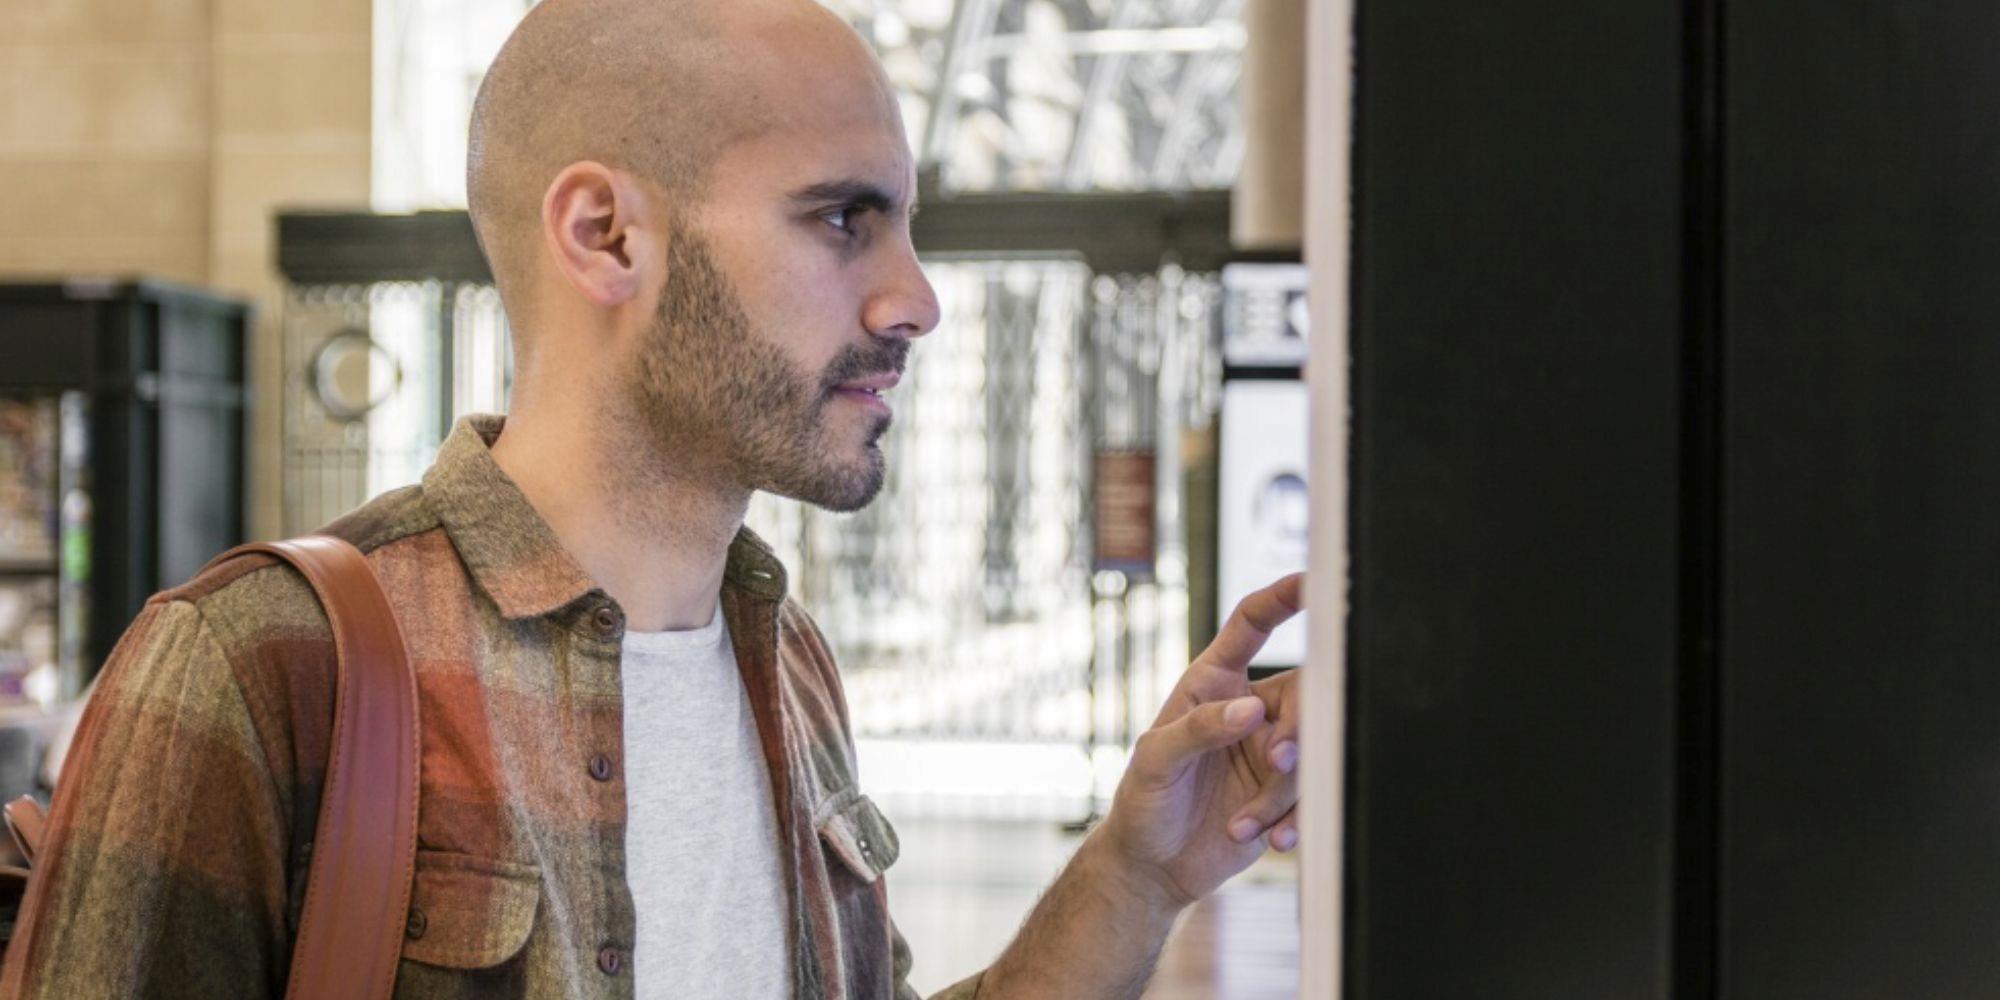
[[104, 137]]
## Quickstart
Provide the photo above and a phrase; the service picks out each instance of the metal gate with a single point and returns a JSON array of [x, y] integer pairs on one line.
[[989, 663]]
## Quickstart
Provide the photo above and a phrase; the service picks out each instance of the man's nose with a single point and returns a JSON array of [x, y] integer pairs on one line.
[[904, 305]]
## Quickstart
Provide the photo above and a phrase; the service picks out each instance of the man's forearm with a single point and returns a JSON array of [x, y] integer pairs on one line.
[[1095, 935]]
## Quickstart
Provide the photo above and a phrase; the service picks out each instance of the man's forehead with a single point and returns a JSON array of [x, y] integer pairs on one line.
[[806, 103], [841, 90], [864, 157]]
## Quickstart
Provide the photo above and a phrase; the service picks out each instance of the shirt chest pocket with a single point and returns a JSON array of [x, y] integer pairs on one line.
[[860, 845], [469, 917], [858, 837]]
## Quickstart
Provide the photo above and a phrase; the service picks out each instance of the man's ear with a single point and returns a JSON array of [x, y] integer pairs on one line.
[[602, 231]]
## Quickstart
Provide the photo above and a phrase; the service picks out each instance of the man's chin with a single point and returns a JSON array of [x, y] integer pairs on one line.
[[861, 490], [844, 490]]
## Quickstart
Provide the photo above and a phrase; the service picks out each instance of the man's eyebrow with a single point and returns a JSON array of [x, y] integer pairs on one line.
[[866, 194]]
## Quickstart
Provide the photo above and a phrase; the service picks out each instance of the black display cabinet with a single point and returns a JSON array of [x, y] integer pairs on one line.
[[122, 409]]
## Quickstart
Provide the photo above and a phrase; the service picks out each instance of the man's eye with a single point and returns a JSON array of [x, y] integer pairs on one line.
[[841, 219]]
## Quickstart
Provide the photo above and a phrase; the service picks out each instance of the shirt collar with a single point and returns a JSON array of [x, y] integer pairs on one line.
[[514, 556]]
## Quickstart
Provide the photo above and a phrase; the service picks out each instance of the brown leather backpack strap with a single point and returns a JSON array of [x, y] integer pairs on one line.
[[357, 901]]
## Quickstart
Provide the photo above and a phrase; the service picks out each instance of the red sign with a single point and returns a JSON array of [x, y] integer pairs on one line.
[[1124, 514]]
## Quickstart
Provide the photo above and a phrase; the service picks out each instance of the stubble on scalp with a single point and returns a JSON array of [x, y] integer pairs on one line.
[[646, 86]]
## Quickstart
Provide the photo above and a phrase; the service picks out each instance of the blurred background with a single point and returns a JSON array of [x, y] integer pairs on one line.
[[239, 296]]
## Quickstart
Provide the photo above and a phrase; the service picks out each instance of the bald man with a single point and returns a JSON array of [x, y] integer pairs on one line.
[[637, 778]]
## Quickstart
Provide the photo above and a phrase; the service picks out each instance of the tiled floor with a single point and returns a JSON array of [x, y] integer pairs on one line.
[[962, 887]]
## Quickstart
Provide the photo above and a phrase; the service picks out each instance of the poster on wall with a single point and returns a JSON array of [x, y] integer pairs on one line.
[[1263, 501], [1124, 514]]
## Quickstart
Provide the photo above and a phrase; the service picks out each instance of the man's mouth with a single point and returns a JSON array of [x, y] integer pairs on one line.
[[868, 391], [873, 385]]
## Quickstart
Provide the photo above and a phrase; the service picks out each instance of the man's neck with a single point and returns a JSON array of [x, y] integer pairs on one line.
[[656, 542]]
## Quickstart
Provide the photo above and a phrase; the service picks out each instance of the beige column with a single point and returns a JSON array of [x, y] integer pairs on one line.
[[104, 148], [1330, 33], [1268, 203], [291, 130]]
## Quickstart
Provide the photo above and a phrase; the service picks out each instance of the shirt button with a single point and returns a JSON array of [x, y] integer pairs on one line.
[[609, 960], [606, 619], [600, 767], [416, 925]]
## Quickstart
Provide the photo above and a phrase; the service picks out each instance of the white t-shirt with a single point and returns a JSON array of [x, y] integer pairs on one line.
[[701, 836]]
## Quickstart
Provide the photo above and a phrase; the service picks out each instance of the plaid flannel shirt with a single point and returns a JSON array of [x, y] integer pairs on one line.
[[184, 825]]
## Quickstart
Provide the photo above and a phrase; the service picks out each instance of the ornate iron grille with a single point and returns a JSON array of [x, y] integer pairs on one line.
[[992, 667], [961, 601], [375, 374]]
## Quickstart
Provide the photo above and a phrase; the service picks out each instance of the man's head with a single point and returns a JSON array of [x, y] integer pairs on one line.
[[698, 216]]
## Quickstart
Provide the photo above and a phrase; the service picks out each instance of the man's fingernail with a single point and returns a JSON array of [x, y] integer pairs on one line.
[[1285, 757], [1243, 829], [1242, 710], [1285, 839]]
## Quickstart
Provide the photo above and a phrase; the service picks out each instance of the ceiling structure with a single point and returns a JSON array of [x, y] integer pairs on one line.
[[1065, 94], [1028, 95]]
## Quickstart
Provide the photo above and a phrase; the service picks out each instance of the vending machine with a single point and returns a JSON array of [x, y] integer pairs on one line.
[[121, 465]]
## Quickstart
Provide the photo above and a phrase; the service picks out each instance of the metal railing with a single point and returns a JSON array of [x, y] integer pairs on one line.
[[965, 605]]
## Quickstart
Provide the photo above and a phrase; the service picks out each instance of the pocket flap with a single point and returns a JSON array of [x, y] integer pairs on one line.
[[470, 912], [857, 832]]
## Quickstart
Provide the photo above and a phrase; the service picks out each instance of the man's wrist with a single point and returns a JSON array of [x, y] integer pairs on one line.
[[1096, 933], [1144, 891]]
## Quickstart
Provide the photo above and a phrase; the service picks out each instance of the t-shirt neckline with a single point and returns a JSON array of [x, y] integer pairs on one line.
[[678, 640]]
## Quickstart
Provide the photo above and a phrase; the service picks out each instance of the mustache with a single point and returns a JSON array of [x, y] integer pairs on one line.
[[858, 362]]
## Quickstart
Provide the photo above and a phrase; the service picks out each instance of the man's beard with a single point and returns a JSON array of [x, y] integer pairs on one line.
[[711, 394]]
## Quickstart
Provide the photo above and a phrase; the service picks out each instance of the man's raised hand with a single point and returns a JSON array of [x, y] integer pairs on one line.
[[1215, 777]]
